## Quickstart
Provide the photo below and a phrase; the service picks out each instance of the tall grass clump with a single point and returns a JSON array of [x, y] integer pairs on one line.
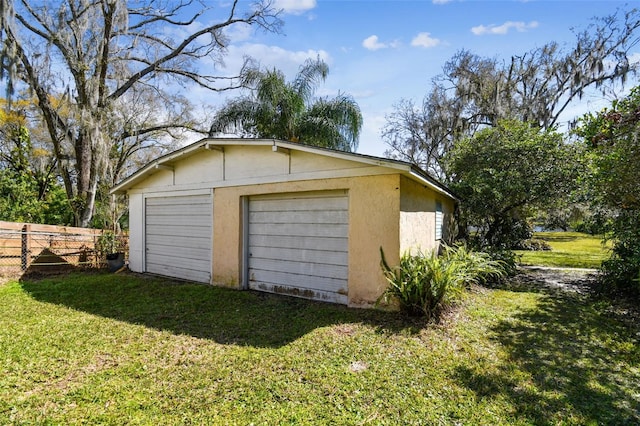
[[424, 284]]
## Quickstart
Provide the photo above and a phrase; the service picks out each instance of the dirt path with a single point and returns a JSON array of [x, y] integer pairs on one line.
[[571, 280], [577, 284]]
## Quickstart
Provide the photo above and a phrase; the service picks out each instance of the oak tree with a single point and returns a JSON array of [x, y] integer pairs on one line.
[[82, 58], [503, 173], [475, 92]]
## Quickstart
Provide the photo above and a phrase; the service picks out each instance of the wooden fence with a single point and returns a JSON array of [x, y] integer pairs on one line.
[[45, 248]]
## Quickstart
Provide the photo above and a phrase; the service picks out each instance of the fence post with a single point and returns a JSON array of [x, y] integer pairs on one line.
[[26, 247]]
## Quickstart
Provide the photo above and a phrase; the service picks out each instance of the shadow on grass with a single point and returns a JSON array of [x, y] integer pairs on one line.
[[566, 360], [224, 315], [559, 237]]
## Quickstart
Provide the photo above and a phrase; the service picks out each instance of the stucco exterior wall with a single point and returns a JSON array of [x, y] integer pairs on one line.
[[248, 165], [449, 228], [373, 223], [417, 217]]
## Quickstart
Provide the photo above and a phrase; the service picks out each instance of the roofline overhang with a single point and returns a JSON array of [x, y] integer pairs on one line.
[[407, 169]]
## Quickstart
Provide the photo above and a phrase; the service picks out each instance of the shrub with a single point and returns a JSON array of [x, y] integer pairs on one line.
[[595, 224], [476, 267], [622, 271], [425, 284], [507, 260], [533, 244], [621, 274], [109, 242]]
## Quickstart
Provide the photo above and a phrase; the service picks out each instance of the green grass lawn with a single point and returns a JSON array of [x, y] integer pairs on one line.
[[121, 349], [569, 249]]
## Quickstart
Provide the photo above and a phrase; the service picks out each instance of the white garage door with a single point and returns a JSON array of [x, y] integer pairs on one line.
[[178, 236], [298, 245]]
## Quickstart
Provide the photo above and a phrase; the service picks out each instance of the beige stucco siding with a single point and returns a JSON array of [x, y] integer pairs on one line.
[[206, 166], [303, 162], [374, 216], [373, 223], [159, 179], [252, 165], [417, 217], [253, 162]]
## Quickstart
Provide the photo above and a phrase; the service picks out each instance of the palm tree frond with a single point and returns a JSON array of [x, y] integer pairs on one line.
[[236, 117], [281, 110], [339, 118], [311, 73]]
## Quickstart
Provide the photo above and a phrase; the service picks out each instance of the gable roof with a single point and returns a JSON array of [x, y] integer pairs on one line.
[[407, 169]]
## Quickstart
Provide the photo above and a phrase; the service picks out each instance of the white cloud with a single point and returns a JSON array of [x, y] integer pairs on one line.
[[634, 58], [295, 7], [272, 57], [373, 43], [370, 141], [442, 1], [237, 33], [425, 40], [504, 28], [268, 57]]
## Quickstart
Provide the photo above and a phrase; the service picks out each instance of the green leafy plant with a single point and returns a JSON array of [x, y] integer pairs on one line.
[[533, 244], [425, 284], [613, 152], [109, 242], [621, 272], [507, 259], [478, 267]]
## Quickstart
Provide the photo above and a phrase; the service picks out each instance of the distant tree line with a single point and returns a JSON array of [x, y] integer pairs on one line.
[[489, 128]]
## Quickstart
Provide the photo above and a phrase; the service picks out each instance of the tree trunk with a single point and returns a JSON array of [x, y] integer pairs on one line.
[[91, 153], [84, 216]]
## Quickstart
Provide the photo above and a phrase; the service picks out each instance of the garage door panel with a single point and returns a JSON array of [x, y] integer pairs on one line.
[[299, 230], [174, 271], [307, 293], [298, 245], [278, 241], [300, 255], [300, 281], [295, 204], [182, 261], [178, 233], [184, 252], [180, 241], [300, 268], [195, 220], [300, 217], [180, 200], [176, 210]]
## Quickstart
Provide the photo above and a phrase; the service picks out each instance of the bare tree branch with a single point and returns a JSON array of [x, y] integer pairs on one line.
[[96, 66]]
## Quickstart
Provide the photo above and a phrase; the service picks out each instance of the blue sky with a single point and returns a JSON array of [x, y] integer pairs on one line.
[[383, 51]]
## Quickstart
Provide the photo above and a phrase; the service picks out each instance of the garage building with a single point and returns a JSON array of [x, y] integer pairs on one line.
[[281, 217]]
